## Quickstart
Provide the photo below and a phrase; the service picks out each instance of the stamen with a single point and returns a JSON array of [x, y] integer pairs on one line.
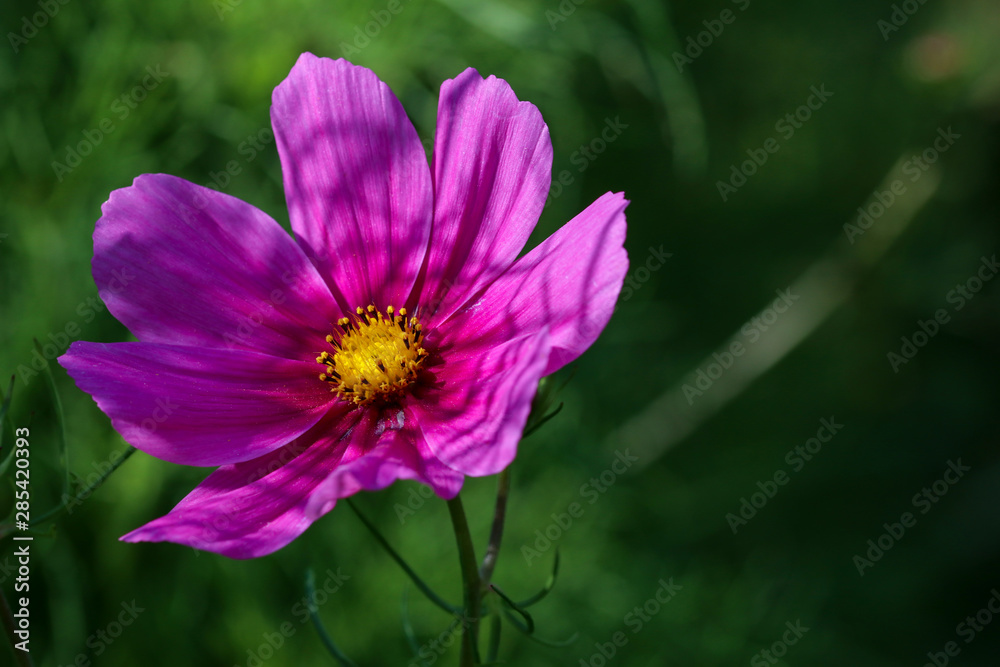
[[376, 357]]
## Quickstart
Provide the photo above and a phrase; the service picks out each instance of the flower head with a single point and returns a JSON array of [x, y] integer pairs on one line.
[[398, 336]]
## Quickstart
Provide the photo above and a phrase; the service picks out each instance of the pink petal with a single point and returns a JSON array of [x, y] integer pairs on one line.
[[385, 447], [181, 264], [356, 179], [197, 406], [253, 508], [473, 421], [492, 170], [569, 284]]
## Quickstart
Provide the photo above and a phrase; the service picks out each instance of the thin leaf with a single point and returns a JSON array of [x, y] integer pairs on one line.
[[528, 621], [6, 462], [516, 622], [424, 588], [541, 421], [546, 395], [549, 584], [85, 493], [411, 636], [324, 636], [4, 407], [60, 419]]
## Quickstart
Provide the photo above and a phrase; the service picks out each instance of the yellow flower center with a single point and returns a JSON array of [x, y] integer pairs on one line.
[[376, 357]]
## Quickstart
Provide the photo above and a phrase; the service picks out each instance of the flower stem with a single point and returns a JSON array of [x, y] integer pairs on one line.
[[471, 583], [324, 636], [424, 588], [496, 533], [79, 497]]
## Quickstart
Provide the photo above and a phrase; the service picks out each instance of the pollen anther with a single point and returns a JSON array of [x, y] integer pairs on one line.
[[376, 357]]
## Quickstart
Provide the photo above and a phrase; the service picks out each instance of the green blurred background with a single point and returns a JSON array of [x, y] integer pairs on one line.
[[584, 64]]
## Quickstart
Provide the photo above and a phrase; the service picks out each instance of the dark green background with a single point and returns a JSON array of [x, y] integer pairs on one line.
[[666, 517]]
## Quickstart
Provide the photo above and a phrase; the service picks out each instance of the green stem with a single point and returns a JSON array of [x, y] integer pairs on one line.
[[8, 528], [471, 583], [496, 533], [494, 648], [324, 636], [424, 588], [60, 421], [85, 493]]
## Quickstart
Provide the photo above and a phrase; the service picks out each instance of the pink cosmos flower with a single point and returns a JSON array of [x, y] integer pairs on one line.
[[398, 336]]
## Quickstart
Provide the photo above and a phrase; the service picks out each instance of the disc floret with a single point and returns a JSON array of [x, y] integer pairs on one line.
[[376, 356]]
